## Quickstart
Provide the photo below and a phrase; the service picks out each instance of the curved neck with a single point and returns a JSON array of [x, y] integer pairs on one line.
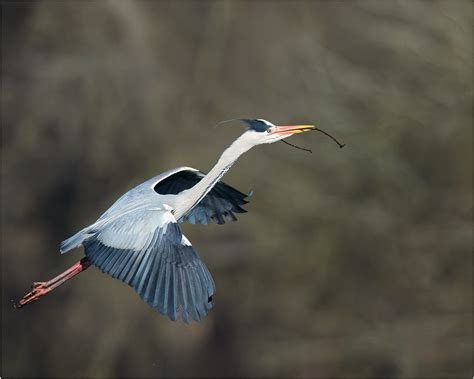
[[190, 198]]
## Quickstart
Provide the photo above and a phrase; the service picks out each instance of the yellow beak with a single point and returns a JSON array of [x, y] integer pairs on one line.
[[292, 129]]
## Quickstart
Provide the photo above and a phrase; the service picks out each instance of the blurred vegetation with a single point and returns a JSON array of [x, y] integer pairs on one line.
[[353, 262]]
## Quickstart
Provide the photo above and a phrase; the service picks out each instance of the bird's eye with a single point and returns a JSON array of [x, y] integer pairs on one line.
[[269, 130]]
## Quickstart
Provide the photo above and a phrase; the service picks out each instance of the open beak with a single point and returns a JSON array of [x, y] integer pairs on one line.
[[292, 129]]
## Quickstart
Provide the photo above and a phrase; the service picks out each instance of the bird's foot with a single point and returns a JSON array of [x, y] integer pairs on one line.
[[38, 289]]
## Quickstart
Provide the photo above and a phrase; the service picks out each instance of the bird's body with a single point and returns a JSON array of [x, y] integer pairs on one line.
[[138, 239]]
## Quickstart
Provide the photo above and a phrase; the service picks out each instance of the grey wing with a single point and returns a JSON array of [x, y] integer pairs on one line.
[[219, 205], [147, 250], [141, 191]]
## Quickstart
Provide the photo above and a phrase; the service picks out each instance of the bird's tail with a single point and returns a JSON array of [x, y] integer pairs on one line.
[[72, 242]]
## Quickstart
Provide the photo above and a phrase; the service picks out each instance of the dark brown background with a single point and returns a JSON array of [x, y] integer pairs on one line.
[[353, 262]]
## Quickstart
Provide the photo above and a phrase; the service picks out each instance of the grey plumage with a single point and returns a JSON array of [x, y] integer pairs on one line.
[[166, 274], [138, 241], [219, 205]]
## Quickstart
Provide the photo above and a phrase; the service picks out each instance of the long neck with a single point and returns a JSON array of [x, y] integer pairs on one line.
[[190, 198]]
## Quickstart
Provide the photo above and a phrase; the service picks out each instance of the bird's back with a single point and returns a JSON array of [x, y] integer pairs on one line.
[[142, 196], [142, 193]]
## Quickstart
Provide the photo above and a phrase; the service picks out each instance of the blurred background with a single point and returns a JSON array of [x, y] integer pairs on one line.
[[353, 262]]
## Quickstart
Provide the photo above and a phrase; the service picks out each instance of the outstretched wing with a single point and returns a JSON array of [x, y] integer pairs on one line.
[[146, 249], [219, 205]]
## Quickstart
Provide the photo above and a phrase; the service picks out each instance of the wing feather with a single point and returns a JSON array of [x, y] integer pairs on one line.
[[110, 261], [126, 265], [221, 200], [151, 285], [118, 266], [192, 296], [146, 249], [174, 293], [160, 282]]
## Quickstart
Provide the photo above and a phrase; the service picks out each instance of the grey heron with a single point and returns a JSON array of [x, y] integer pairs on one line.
[[138, 240]]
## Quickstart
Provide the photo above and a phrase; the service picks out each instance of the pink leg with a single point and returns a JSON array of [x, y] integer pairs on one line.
[[39, 289]]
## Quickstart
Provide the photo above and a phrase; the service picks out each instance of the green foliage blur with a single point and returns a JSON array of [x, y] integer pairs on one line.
[[353, 262]]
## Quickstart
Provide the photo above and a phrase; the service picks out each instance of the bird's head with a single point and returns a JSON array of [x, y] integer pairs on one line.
[[261, 131]]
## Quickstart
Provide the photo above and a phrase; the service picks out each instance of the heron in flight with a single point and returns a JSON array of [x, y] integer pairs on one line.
[[138, 240]]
